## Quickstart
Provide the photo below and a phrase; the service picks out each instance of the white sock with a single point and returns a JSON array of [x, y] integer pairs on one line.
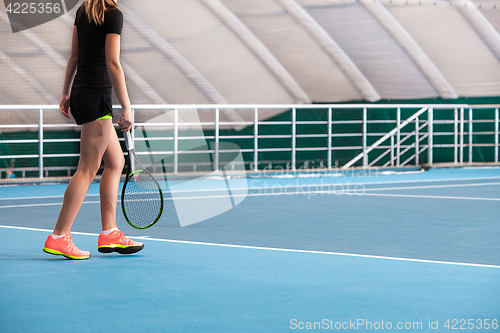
[[58, 236], [107, 232]]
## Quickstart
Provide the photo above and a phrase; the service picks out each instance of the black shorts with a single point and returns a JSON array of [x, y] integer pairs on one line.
[[89, 104]]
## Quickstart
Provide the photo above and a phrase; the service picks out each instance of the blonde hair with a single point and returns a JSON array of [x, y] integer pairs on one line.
[[96, 9]]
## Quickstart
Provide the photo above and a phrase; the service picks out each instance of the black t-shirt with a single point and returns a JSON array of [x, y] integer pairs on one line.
[[92, 71]]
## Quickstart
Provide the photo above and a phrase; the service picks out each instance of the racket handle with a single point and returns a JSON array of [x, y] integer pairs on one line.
[[128, 140]]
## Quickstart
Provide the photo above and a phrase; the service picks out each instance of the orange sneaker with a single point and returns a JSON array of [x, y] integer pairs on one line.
[[117, 242], [64, 247]]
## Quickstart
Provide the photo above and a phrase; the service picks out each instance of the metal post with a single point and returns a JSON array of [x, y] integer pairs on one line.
[[431, 134], [455, 132], [294, 138], [392, 150], [461, 136], [40, 144], [132, 129], [329, 138], [216, 157], [256, 141], [365, 128], [176, 141], [398, 136], [417, 138], [470, 135], [496, 135]]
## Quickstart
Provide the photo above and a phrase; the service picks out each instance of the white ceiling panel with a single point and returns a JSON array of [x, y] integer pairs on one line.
[[379, 57], [454, 46], [275, 51]]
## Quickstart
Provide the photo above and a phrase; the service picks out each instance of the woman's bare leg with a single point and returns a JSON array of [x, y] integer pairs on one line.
[[110, 180], [95, 139]]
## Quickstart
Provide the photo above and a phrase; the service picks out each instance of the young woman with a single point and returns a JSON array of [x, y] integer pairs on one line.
[[93, 69]]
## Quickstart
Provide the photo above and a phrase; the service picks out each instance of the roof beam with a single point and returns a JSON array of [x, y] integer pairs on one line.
[[3, 97], [138, 80], [169, 52], [258, 48], [480, 23], [164, 47], [32, 82], [411, 47], [188, 69], [19, 112], [60, 61], [335, 52]]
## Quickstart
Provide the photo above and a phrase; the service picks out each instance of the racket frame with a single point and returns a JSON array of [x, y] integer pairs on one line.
[[129, 143]]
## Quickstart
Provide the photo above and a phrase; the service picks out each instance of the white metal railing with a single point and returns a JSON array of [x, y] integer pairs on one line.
[[393, 145]]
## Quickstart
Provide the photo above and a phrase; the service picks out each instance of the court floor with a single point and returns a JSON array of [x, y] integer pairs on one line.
[[405, 251]]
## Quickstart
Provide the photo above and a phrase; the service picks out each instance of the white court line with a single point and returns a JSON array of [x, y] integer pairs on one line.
[[276, 249], [315, 193], [269, 188], [303, 185], [427, 196], [310, 193], [48, 197], [429, 186], [47, 204]]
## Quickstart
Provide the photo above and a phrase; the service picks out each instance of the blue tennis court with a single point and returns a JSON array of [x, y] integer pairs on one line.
[[414, 251]]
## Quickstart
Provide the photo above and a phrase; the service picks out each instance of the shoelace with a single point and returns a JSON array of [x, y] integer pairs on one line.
[[123, 238], [69, 240]]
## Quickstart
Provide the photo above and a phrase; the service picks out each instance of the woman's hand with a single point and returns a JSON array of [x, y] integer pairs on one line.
[[64, 106], [125, 121]]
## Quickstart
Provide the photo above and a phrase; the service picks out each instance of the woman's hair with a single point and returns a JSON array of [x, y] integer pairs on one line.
[[96, 8]]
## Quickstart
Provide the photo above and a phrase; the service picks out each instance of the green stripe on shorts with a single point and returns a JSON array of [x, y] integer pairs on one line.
[[108, 116]]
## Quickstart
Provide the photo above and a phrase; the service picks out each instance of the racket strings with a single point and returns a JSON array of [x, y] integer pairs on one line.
[[142, 200]]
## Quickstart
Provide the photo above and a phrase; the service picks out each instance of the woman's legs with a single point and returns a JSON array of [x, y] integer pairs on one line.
[[99, 141], [110, 180], [114, 241], [95, 139]]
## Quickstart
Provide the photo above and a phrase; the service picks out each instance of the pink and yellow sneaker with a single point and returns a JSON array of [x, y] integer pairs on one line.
[[117, 242], [64, 247]]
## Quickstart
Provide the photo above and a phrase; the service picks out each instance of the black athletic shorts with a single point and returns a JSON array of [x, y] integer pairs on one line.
[[89, 104]]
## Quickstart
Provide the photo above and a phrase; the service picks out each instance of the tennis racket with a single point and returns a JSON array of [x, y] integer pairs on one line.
[[142, 198]]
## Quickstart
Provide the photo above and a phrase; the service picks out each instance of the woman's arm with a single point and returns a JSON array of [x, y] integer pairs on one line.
[[117, 77], [70, 75]]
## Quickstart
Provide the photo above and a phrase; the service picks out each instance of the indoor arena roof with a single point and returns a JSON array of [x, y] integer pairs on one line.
[[275, 51]]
